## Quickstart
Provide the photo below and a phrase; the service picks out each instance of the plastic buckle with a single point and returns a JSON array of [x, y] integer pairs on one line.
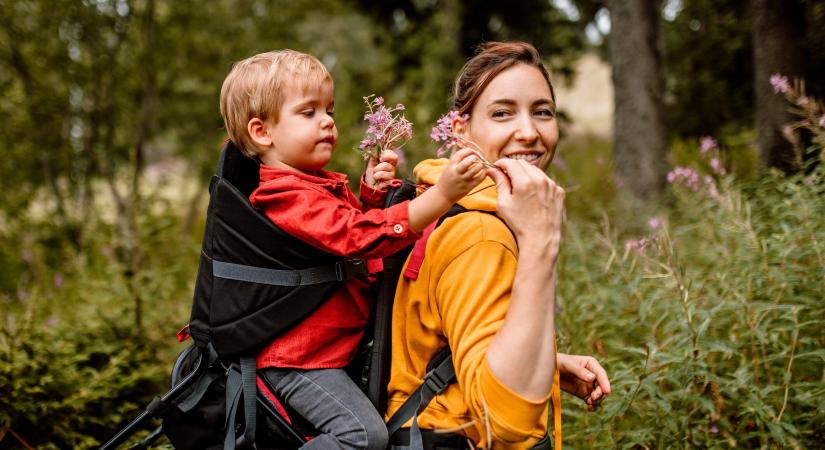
[[434, 382], [344, 270]]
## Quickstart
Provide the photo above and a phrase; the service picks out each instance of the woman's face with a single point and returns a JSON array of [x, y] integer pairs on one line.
[[515, 117]]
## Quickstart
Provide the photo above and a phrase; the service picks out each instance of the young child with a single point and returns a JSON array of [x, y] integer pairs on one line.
[[278, 108]]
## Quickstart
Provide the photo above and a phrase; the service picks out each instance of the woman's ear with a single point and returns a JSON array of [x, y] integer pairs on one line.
[[460, 126], [259, 132]]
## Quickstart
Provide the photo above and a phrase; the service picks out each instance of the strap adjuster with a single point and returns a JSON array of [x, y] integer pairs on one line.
[[344, 270], [433, 382]]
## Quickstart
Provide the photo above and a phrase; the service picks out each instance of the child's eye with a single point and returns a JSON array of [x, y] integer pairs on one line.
[[331, 113], [308, 112]]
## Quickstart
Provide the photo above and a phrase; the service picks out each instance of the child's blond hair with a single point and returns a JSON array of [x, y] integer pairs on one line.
[[255, 88]]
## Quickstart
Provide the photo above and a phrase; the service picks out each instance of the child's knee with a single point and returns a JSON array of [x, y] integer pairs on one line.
[[377, 437]]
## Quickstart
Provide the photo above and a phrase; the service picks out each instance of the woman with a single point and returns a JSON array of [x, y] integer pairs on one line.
[[486, 284]]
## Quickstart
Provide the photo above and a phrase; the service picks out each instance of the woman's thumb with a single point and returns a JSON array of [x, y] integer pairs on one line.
[[501, 179]]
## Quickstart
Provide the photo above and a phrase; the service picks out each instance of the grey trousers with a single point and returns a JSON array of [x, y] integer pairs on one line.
[[337, 408]]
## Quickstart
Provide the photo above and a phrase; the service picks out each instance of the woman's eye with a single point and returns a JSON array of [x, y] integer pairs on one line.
[[500, 113], [545, 113]]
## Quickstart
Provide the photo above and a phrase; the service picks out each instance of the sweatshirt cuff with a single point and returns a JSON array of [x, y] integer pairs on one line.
[[514, 417], [370, 197]]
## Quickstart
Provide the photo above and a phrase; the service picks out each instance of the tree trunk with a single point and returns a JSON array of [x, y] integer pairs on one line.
[[639, 125], [778, 30]]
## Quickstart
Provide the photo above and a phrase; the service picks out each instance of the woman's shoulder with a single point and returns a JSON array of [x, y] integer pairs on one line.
[[469, 228]]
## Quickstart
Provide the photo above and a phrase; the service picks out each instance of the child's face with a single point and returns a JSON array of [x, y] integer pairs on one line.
[[305, 135]]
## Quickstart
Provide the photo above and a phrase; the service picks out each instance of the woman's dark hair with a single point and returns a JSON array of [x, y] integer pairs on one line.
[[491, 59]]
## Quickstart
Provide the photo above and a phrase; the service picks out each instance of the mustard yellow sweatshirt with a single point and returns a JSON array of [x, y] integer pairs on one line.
[[460, 298]]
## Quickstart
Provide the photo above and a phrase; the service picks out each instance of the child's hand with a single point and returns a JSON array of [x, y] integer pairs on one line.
[[462, 174], [381, 174]]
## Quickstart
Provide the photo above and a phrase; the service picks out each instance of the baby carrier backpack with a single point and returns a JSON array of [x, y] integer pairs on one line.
[[254, 282]]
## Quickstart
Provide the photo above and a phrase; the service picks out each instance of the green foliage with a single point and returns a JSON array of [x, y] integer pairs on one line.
[[712, 327]]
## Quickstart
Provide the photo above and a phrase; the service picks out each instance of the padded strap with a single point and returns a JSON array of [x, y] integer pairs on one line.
[[339, 271], [435, 381]]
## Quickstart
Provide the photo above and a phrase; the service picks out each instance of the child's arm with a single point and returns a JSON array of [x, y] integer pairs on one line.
[[462, 174]]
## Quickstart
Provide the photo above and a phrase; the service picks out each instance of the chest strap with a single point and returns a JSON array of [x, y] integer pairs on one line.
[[338, 271]]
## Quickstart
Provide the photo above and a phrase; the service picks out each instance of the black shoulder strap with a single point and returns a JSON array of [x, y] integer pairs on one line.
[[440, 374]]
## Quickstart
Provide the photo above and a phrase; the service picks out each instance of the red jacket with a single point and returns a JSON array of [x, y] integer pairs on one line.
[[322, 211]]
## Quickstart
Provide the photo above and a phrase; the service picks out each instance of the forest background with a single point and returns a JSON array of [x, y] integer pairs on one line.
[[692, 267]]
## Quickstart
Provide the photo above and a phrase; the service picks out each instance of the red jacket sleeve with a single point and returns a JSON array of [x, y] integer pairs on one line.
[[335, 225]]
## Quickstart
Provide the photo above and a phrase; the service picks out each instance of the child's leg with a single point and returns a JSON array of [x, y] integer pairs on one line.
[[329, 400]]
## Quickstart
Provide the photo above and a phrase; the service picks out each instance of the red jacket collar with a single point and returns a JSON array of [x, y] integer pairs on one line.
[[323, 177]]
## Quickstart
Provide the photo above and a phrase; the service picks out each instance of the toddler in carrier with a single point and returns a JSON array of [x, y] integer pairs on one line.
[[278, 108]]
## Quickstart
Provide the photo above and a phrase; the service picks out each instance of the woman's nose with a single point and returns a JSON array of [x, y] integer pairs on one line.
[[526, 130]]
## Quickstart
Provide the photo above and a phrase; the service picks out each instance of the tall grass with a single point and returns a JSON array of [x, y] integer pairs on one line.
[[711, 322]]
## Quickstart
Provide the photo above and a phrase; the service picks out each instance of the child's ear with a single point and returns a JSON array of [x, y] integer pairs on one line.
[[259, 132]]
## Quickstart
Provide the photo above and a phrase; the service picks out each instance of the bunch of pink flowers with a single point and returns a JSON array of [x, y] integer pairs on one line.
[[443, 132], [388, 128]]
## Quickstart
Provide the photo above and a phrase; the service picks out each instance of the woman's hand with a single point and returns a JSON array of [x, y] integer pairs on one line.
[[380, 174], [583, 377], [530, 202]]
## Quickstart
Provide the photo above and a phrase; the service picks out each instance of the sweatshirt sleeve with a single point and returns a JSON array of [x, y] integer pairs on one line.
[[473, 294], [334, 225]]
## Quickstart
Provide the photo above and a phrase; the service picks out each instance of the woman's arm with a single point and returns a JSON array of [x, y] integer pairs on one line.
[[522, 353]]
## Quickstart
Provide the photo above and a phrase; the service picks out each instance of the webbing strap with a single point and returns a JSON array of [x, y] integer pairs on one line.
[[240, 381], [250, 393], [339, 271], [435, 381], [234, 386]]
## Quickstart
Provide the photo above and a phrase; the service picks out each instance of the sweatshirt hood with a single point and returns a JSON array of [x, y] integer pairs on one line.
[[481, 197]]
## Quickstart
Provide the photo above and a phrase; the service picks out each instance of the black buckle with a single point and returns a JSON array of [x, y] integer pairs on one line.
[[344, 270], [434, 382]]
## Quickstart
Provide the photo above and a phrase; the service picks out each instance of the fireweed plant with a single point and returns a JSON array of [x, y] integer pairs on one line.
[[811, 113], [710, 318], [388, 129], [443, 132]]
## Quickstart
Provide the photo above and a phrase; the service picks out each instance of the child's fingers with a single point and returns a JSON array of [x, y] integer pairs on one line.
[[384, 167], [382, 176], [390, 157]]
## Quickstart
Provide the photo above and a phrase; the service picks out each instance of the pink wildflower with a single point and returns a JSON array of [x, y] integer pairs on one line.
[[718, 168], [780, 83], [714, 429], [707, 144], [685, 176], [822, 121], [638, 245], [654, 223], [443, 132], [26, 255], [388, 129], [803, 101]]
